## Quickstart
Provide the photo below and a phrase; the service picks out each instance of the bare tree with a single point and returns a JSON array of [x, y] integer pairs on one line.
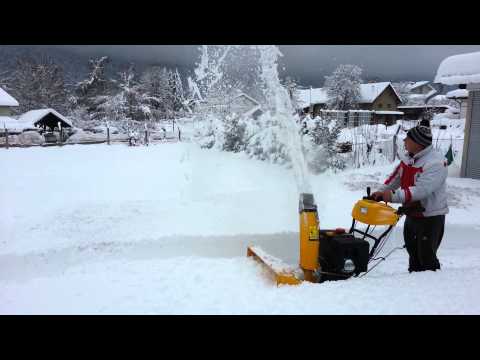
[[38, 83]]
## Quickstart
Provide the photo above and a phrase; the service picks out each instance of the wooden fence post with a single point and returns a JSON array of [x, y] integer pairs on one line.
[[395, 144], [6, 135]]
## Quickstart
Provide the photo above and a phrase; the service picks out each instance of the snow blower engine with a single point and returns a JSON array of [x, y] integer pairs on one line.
[[334, 254]]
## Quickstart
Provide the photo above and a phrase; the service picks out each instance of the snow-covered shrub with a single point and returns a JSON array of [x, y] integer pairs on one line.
[[263, 140], [322, 150], [209, 133], [235, 131]]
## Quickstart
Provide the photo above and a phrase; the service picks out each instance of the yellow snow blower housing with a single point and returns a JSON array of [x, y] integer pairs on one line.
[[371, 212], [309, 248], [332, 254]]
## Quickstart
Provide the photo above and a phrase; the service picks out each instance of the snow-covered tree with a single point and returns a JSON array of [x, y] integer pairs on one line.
[[96, 82], [163, 90], [343, 87], [292, 88], [177, 91], [92, 92], [222, 72], [154, 86], [38, 83], [129, 103], [4, 78]]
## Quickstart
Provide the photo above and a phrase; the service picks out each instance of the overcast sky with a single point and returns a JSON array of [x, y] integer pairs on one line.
[[308, 63]]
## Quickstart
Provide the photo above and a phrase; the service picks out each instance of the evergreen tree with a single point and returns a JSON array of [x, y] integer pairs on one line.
[[129, 103]]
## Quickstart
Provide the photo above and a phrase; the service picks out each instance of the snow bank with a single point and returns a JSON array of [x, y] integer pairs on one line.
[[80, 136], [459, 69], [30, 138], [458, 93], [26, 138], [103, 129], [15, 125]]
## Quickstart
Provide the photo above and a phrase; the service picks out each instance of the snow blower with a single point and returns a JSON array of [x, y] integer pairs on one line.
[[334, 254]]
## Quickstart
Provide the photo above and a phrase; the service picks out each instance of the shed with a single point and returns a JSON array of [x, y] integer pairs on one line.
[[45, 118], [464, 70]]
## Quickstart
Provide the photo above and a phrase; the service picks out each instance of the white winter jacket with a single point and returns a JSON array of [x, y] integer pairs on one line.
[[421, 178]]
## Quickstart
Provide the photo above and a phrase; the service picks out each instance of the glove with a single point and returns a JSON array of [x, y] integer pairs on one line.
[[382, 196]]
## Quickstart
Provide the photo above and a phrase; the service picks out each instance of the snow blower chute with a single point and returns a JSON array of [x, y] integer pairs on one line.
[[334, 254]]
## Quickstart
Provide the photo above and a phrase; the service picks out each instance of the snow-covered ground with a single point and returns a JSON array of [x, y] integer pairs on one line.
[[164, 229]]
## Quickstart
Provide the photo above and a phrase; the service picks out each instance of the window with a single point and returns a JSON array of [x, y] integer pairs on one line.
[[389, 106], [380, 105]]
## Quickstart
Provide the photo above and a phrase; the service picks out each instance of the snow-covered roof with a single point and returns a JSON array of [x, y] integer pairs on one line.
[[242, 94], [33, 116], [368, 94], [312, 96], [381, 112], [6, 99], [439, 97], [459, 69], [457, 94], [417, 84], [421, 106]]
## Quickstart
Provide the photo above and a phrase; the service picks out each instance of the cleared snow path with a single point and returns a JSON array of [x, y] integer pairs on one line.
[[164, 229]]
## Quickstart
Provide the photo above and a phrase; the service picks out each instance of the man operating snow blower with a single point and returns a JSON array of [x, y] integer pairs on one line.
[[419, 183]]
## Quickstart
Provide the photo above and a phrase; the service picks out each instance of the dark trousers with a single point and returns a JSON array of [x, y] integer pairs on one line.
[[422, 238]]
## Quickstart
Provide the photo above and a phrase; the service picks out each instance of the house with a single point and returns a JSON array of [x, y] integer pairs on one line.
[[419, 88], [416, 94], [379, 98], [7, 102], [417, 112], [244, 105], [464, 70], [240, 104]]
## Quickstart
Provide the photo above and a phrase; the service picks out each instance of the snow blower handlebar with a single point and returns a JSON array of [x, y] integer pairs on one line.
[[371, 212], [415, 208]]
